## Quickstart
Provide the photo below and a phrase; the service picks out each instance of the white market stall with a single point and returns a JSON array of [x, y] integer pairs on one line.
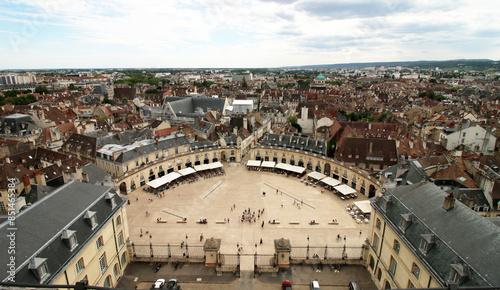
[[345, 189], [254, 163], [316, 175], [363, 206], [201, 167], [214, 165], [268, 164], [186, 171], [330, 181]]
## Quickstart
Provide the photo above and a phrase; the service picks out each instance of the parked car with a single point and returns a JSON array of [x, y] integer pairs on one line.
[[172, 284], [354, 286], [159, 284], [286, 285], [314, 285]]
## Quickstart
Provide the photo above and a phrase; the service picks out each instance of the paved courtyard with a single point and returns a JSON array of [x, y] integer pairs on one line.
[[213, 198]]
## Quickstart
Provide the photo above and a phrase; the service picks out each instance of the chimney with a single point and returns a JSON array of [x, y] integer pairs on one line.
[[58, 161], [469, 202], [371, 147], [449, 202], [369, 125], [7, 159], [411, 144], [26, 183], [40, 178]]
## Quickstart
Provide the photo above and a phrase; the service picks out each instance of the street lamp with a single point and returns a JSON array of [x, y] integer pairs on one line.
[[307, 255]]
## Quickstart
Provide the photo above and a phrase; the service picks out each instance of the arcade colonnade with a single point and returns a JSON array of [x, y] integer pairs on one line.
[[356, 178], [138, 177]]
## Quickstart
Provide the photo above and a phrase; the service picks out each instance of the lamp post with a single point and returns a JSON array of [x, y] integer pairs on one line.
[[307, 255]]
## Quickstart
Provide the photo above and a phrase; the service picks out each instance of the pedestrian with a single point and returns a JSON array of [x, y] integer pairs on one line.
[[137, 199], [227, 220], [281, 205], [261, 241], [344, 238], [262, 224], [256, 244], [276, 191], [201, 237], [360, 232]]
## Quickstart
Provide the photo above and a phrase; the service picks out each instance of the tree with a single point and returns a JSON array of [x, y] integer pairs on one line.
[[71, 87], [244, 84], [382, 117], [41, 90], [124, 100], [11, 93], [103, 118], [299, 128], [28, 91], [292, 120], [106, 100], [152, 91]]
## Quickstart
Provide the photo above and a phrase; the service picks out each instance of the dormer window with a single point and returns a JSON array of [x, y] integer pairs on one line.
[[91, 218], [110, 199], [38, 267], [405, 222], [426, 243], [458, 274], [69, 237], [386, 200]]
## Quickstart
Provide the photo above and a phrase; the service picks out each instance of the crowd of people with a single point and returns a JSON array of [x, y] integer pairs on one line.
[[249, 216]]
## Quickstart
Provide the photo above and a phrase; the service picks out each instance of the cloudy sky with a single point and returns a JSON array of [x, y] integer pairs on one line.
[[241, 33]]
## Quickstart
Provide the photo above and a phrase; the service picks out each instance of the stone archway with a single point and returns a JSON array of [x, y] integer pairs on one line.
[[123, 188], [328, 168], [223, 156], [371, 191]]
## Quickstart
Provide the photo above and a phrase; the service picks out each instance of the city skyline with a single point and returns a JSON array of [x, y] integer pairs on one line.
[[251, 34]]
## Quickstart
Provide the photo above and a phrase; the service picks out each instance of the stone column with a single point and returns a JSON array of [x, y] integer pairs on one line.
[[283, 248], [211, 248]]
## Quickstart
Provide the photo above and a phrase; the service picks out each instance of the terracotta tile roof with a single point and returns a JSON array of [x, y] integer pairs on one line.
[[455, 172], [167, 131], [367, 150], [8, 170]]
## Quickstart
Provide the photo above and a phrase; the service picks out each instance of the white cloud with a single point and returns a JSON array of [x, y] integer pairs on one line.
[[251, 33]]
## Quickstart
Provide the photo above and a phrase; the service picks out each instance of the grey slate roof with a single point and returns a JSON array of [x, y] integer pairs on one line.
[[39, 227], [410, 172], [188, 106], [295, 142], [461, 235], [38, 192], [150, 148], [126, 137], [95, 174], [202, 144]]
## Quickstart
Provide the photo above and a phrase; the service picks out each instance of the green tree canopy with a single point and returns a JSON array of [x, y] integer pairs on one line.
[[41, 90], [152, 91]]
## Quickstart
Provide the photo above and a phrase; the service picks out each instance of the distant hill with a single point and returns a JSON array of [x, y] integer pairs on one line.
[[469, 64]]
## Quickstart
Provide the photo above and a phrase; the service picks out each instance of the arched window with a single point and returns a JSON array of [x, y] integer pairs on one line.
[[124, 258], [107, 282]]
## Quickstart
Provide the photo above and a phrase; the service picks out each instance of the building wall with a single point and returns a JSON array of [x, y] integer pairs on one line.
[[91, 254], [131, 180], [475, 138], [383, 252]]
